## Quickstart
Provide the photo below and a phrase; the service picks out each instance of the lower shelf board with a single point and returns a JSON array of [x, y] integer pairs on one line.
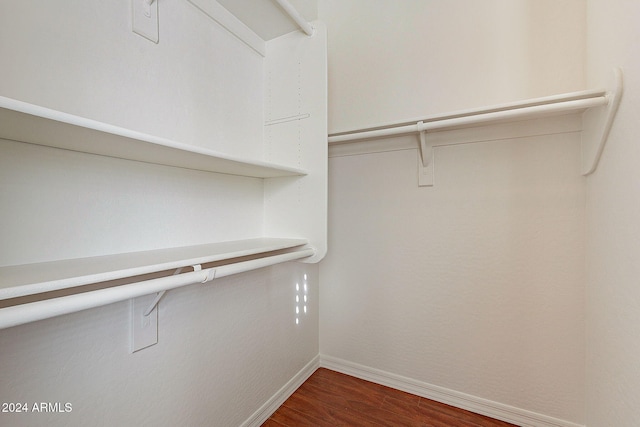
[[31, 279], [246, 255]]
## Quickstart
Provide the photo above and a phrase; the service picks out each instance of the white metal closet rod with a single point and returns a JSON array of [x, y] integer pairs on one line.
[[31, 312], [296, 16], [475, 118]]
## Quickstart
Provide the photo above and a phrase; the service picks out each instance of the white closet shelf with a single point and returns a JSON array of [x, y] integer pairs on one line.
[[598, 108], [519, 110], [24, 122], [32, 279], [257, 21]]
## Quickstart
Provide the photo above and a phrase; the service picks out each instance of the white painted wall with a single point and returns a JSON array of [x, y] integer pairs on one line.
[[613, 209], [198, 85], [422, 57], [57, 204], [223, 349], [477, 284]]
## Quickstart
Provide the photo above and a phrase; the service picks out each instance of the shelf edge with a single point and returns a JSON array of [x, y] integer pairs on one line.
[[253, 247], [29, 123], [546, 100]]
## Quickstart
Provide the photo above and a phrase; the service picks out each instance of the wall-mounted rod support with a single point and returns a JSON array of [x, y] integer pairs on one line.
[[425, 150], [31, 312], [296, 16], [159, 296], [425, 165], [597, 124], [155, 302]]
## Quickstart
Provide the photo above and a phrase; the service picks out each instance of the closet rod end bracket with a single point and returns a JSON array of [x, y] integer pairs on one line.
[[597, 123]]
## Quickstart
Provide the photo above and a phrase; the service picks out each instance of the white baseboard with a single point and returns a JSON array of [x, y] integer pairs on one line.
[[271, 405], [468, 402]]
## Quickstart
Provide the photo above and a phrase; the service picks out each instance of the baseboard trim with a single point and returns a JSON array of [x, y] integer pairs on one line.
[[271, 405], [468, 402]]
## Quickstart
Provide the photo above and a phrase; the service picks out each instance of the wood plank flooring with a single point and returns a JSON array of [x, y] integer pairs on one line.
[[329, 398]]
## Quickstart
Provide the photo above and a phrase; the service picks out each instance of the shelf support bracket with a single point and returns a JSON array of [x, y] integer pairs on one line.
[[211, 273], [597, 123], [155, 302], [159, 296], [296, 17], [425, 160]]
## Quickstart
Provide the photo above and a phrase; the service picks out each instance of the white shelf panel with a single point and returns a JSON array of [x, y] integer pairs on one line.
[[598, 109], [519, 110], [23, 122], [30, 279], [256, 22]]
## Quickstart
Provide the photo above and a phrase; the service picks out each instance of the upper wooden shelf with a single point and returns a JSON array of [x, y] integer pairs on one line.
[[31, 279], [24, 122], [598, 109]]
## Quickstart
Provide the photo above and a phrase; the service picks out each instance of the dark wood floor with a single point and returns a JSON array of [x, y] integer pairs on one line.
[[329, 398]]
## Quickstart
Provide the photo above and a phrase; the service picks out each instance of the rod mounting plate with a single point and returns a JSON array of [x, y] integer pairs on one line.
[[144, 329]]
